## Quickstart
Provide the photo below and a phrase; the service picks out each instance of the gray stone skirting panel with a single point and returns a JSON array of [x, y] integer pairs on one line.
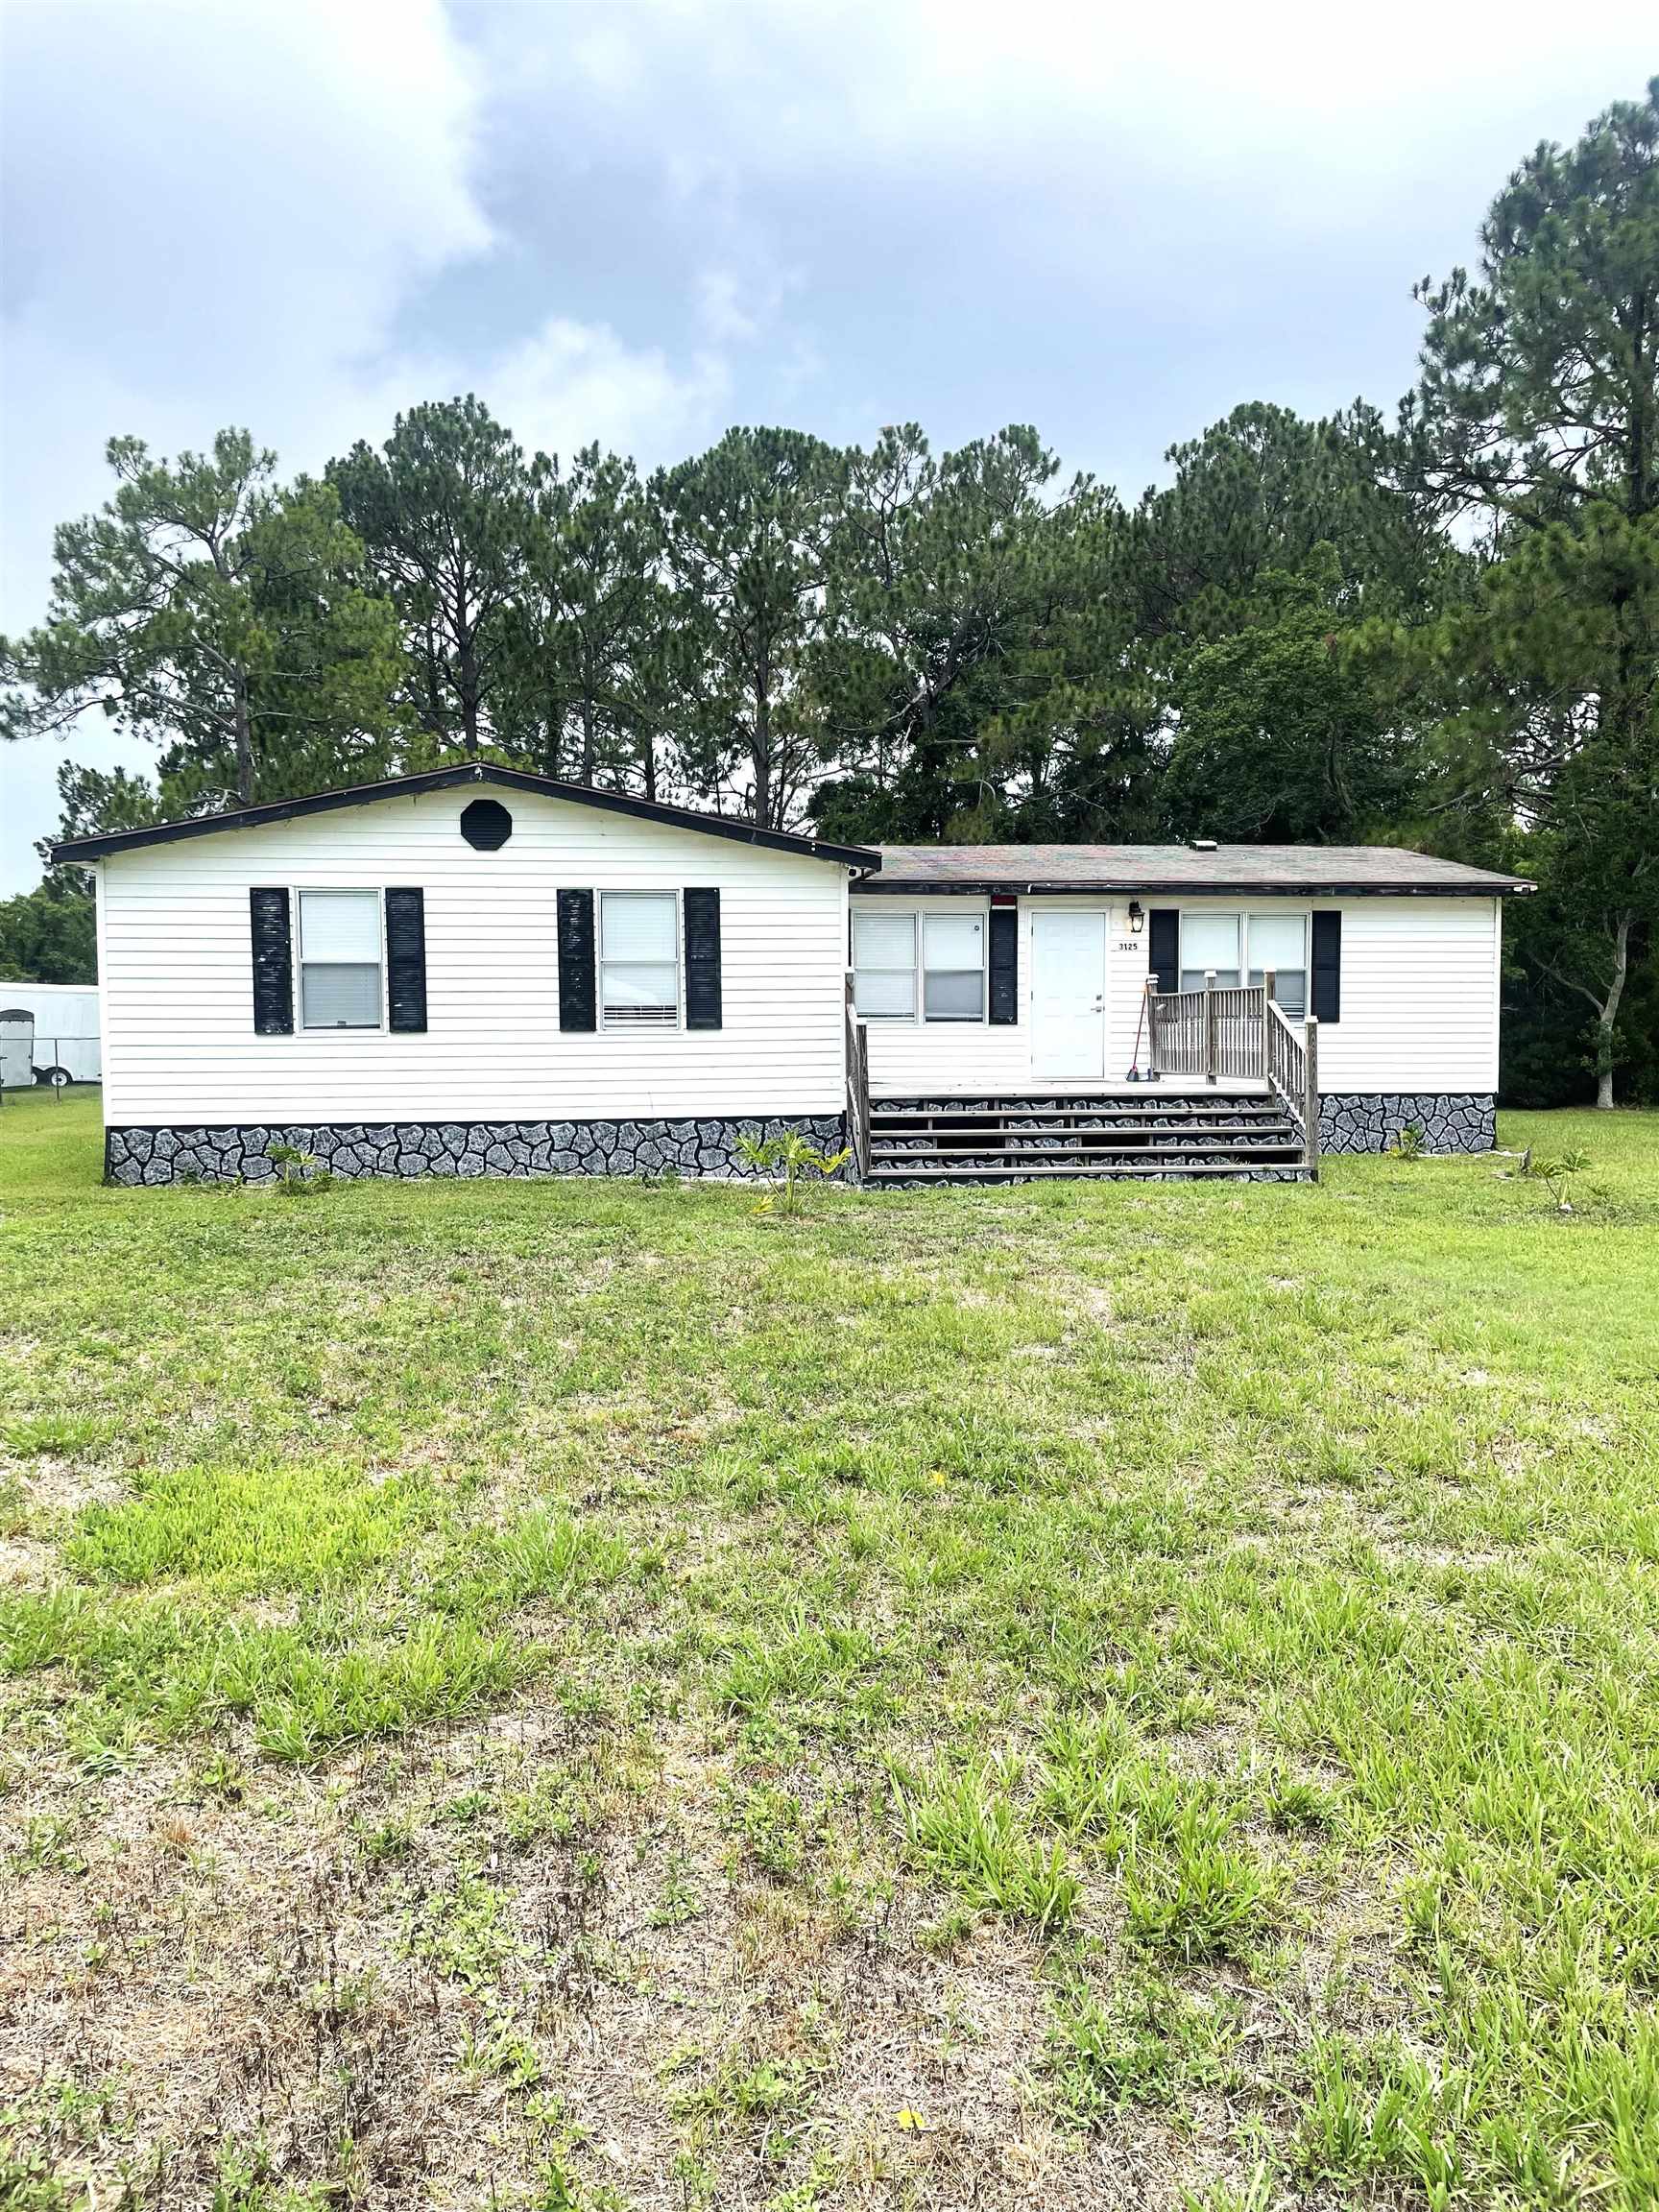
[[1371, 1120], [241, 1154]]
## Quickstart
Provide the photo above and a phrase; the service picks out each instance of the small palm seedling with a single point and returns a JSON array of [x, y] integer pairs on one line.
[[789, 1157], [1409, 1143], [1554, 1173], [297, 1173]]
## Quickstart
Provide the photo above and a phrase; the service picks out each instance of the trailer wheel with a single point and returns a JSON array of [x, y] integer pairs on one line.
[[55, 1078]]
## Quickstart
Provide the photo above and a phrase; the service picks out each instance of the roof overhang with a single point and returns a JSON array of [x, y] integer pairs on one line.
[[1147, 887], [859, 859]]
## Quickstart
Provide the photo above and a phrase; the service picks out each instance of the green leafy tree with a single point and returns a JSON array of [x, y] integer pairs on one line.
[[50, 934], [443, 509], [1257, 494], [218, 618], [748, 527], [95, 801], [1537, 415], [591, 647], [941, 574], [1283, 734]]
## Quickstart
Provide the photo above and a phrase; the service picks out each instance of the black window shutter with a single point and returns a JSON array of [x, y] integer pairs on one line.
[[702, 959], [406, 959], [1163, 947], [576, 1003], [273, 963], [1005, 964], [1328, 967]]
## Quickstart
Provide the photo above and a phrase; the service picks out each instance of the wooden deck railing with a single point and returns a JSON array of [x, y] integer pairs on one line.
[[1292, 1064], [1239, 1029], [1213, 1032], [858, 1087]]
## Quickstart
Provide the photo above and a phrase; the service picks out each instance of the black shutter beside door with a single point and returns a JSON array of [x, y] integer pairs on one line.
[[1005, 964], [577, 1008], [273, 962], [1163, 947], [702, 959], [1327, 995], [406, 959]]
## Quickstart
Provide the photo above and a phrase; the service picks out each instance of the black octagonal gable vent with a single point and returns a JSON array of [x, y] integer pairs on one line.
[[486, 825]]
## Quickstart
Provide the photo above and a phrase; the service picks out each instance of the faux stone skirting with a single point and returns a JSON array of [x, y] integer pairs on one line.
[[241, 1154], [1370, 1120]]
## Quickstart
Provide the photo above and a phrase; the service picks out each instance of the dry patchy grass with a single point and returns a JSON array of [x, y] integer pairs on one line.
[[575, 1696]]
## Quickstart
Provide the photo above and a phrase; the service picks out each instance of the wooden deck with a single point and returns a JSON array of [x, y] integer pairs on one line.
[[1233, 1092]]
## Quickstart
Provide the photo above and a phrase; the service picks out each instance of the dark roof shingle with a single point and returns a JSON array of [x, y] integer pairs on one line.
[[1315, 871]]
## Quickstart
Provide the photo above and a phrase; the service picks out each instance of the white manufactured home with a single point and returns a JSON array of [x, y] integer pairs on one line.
[[479, 971]]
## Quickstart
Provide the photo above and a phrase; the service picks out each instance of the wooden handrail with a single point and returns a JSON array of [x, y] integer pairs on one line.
[[1292, 1070], [1311, 1098], [857, 1049], [1240, 1029]]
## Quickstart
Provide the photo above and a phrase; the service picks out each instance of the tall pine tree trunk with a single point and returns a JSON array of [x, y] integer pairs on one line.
[[760, 749], [244, 738], [1607, 1014], [467, 675], [589, 740]]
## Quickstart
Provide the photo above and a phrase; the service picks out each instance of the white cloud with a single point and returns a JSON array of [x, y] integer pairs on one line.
[[564, 385], [727, 92], [570, 383], [721, 310], [254, 197]]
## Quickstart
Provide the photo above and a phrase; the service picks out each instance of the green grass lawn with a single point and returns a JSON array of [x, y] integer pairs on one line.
[[578, 1695]]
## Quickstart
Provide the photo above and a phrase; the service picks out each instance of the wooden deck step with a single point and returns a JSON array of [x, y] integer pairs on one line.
[[1093, 1109], [1041, 1133], [1159, 1135], [1176, 1149], [1023, 1171]]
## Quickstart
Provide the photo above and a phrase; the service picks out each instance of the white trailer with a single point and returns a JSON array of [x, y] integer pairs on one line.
[[49, 1033]]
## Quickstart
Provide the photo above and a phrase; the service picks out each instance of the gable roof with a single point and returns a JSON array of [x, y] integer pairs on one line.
[[1313, 871], [485, 772]]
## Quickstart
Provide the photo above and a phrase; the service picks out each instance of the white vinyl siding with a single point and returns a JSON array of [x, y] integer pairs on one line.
[[1419, 996], [638, 958], [1419, 999], [884, 966], [180, 1043], [340, 959]]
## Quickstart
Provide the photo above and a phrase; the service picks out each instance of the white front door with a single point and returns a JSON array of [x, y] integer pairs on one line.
[[1067, 997]]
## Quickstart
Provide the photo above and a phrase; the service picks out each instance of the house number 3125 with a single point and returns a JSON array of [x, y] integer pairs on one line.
[[1127, 945]]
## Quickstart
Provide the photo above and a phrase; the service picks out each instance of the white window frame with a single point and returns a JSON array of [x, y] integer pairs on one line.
[[297, 894], [881, 912], [664, 1028], [1243, 916], [957, 913], [1302, 914], [918, 918], [1233, 914]]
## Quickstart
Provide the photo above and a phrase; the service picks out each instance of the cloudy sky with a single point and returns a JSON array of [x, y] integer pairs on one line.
[[641, 222]]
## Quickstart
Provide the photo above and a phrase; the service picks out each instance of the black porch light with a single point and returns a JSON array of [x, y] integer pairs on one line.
[[1137, 916]]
